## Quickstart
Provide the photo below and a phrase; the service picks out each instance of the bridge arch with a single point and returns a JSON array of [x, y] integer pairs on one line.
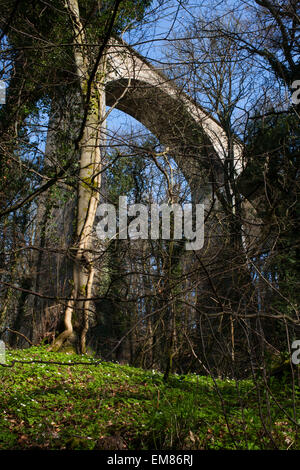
[[195, 139]]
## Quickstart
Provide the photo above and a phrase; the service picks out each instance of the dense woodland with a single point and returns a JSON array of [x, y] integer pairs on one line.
[[229, 310]]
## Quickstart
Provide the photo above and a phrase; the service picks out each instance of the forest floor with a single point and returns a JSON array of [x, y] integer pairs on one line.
[[111, 406]]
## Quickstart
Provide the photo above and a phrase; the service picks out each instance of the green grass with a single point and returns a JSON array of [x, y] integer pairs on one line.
[[109, 405]]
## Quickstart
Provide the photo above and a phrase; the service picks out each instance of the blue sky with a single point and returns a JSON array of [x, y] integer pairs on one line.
[[154, 37], [150, 40]]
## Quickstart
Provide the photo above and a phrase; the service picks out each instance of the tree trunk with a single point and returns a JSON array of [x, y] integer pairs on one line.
[[89, 180]]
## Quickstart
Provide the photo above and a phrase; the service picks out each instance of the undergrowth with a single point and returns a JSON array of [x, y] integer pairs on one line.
[[112, 406]]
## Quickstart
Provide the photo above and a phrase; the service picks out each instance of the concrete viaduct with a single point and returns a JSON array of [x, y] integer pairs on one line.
[[195, 139]]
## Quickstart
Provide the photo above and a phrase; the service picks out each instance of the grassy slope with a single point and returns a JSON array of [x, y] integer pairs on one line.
[[109, 406]]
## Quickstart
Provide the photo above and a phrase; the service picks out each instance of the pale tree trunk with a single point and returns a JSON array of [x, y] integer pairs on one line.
[[89, 180]]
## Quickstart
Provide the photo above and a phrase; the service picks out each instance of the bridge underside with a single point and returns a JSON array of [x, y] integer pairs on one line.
[[169, 120]]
